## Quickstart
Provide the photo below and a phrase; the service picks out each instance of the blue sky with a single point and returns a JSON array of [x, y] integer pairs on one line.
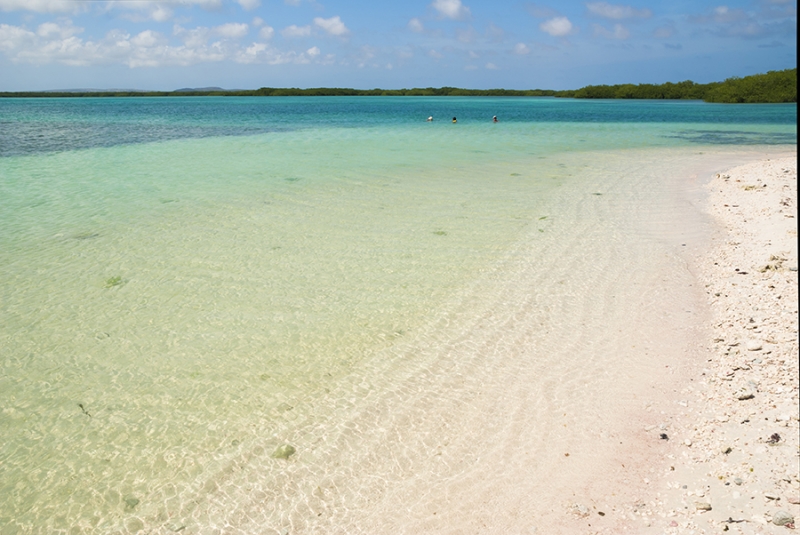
[[246, 44]]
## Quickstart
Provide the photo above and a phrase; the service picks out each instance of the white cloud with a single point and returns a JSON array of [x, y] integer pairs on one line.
[[248, 5], [41, 6], [14, 37], [492, 66], [60, 44], [332, 26], [51, 30], [296, 31], [434, 54], [618, 32], [292, 2], [148, 39], [232, 30], [617, 12], [258, 22], [521, 49], [557, 26], [452, 9], [161, 14], [194, 38], [267, 32], [415, 25]]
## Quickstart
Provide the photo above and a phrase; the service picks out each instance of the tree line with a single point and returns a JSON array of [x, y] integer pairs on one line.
[[774, 86]]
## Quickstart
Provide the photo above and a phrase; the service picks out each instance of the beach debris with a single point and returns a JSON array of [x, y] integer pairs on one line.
[[702, 506], [774, 438], [782, 518], [663, 436], [83, 409], [284, 452], [738, 480]]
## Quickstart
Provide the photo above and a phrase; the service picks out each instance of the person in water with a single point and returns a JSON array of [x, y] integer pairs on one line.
[[494, 119], [430, 118], [454, 120]]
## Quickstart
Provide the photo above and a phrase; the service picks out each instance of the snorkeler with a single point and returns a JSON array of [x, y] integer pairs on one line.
[[454, 120]]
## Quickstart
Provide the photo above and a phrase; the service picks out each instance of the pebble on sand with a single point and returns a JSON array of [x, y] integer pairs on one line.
[[754, 345], [782, 518]]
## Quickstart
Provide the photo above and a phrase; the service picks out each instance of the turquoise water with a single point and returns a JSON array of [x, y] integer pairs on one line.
[[183, 281]]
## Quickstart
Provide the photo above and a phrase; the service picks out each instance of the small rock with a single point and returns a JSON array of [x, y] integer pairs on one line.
[[702, 506], [726, 450], [754, 345], [284, 452], [687, 442], [794, 500], [745, 393], [781, 518], [738, 480], [580, 510]]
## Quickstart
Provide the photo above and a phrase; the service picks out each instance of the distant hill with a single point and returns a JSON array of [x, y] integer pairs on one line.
[[197, 89], [94, 91]]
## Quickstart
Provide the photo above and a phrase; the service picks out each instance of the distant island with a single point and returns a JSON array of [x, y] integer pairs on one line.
[[772, 87]]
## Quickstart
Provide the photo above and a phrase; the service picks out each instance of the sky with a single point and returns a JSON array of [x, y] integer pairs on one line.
[[480, 44]]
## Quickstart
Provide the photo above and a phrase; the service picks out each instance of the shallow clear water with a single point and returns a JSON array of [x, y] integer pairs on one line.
[[187, 281]]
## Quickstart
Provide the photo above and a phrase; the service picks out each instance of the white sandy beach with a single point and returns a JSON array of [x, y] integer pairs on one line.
[[720, 452]]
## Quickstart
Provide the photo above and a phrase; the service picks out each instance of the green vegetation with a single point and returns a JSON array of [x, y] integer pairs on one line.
[[679, 91], [774, 86], [113, 281]]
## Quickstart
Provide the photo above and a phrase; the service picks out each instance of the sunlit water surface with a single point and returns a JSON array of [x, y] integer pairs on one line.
[[185, 283]]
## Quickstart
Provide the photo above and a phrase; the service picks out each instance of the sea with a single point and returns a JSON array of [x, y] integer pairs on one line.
[[331, 315]]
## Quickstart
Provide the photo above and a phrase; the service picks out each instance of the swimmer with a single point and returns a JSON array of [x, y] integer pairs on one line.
[[430, 118], [454, 120], [494, 119]]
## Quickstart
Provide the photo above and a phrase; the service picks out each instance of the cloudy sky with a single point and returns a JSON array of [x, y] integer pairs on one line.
[[245, 44]]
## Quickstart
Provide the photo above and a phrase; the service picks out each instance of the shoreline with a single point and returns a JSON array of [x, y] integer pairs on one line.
[[735, 463], [718, 450]]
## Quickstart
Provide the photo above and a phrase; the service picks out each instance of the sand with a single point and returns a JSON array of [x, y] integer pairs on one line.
[[719, 452]]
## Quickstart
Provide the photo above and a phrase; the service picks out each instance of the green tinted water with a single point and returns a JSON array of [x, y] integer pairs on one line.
[[166, 305]]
